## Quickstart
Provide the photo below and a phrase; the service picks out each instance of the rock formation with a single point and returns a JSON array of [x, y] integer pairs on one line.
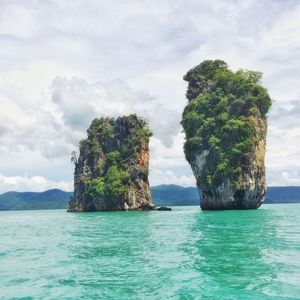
[[164, 208], [225, 126], [112, 169]]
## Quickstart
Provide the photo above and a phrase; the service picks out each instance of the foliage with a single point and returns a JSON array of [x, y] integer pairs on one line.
[[116, 183], [112, 186], [220, 118], [131, 147], [74, 158], [113, 145]]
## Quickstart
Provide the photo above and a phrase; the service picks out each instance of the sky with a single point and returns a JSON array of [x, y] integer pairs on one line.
[[63, 63]]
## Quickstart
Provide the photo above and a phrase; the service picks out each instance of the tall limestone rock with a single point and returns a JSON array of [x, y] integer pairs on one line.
[[112, 170], [225, 126]]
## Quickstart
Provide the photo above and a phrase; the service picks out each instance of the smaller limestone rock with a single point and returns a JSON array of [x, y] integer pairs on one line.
[[112, 169]]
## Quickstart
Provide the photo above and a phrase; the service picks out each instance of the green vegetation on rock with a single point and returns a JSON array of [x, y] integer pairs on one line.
[[112, 165], [225, 121], [113, 186]]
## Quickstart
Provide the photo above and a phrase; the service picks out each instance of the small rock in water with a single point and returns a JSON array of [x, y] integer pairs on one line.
[[164, 208]]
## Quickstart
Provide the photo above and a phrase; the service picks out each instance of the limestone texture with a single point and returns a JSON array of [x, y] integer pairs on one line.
[[111, 172], [225, 125]]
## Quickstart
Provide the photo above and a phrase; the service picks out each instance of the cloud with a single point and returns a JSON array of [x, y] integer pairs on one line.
[[35, 183], [80, 101], [284, 177], [63, 64], [283, 144], [25, 26], [169, 177], [35, 128], [55, 124]]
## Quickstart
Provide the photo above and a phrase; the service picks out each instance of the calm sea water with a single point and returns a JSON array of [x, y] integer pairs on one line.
[[183, 254]]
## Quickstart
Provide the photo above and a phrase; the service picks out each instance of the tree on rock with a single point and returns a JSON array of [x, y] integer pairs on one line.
[[225, 127], [112, 169]]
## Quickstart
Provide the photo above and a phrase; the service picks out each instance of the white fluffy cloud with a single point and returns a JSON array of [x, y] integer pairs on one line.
[[80, 101], [34, 183], [63, 63], [55, 124], [283, 149]]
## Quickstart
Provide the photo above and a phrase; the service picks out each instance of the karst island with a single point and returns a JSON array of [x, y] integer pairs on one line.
[[225, 127], [111, 172]]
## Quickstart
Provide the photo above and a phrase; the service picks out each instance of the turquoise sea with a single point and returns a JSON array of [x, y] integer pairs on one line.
[[183, 254]]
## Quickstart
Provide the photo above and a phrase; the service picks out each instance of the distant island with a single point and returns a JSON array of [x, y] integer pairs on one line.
[[51, 199], [225, 126], [163, 195]]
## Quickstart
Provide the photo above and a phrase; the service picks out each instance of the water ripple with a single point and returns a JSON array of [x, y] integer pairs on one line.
[[183, 254]]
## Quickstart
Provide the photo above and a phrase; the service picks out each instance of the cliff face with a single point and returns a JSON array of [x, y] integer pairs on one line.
[[112, 170], [225, 127]]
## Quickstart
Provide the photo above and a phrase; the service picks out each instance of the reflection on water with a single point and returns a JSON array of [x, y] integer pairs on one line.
[[230, 247], [237, 253]]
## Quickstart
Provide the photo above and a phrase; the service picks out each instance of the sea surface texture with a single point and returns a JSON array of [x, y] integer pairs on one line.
[[183, 254]]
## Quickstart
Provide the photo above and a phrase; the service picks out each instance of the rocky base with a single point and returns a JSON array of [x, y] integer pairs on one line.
[[74, 206], [225, 196], [164, 208], [238, 200]]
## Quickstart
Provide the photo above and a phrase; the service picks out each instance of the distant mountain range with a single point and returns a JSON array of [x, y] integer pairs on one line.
[[178, 195], [50, 199], [167, 195]]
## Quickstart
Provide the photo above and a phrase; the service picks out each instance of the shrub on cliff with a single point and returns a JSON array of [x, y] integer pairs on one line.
[[115, 180], [111, 172], [222, 117]]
